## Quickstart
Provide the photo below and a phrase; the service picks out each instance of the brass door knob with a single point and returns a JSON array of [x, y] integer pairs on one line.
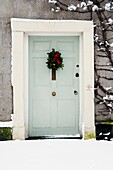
[[53, 93]]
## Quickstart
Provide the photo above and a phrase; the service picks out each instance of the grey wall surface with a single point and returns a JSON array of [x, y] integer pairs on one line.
[[29, 9]]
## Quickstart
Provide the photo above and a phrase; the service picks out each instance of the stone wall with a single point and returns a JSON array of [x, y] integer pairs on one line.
[[29, 9]]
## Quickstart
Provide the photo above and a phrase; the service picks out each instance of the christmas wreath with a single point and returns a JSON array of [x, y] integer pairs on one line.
[[54, 60]]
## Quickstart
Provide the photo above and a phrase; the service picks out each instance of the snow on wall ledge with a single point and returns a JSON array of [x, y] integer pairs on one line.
[[6, 124]]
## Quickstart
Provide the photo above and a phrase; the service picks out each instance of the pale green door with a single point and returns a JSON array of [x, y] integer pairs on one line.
[[53, 115]]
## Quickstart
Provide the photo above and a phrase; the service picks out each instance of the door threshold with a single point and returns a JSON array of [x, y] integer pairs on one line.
[[78, 136]]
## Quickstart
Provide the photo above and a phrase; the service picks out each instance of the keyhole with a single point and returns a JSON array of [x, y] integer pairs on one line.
[[77, 74], [75, 92]]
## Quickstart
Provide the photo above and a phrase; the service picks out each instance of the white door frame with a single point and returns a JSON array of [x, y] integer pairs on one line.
[[21, 28]]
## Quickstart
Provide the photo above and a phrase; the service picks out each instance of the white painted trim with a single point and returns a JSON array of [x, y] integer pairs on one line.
[[21, 28], [81, 83], [26, 83]]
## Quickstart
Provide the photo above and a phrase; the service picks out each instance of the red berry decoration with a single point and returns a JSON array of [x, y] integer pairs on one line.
[[54, 60]]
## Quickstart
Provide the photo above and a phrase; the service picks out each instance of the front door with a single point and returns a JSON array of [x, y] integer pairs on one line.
[[52, 115]]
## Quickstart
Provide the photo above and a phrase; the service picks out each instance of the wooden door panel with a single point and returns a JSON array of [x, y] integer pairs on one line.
[[53, 115], [41, 114], [41, 74], [66, 113], [65, 77], [40, 46]]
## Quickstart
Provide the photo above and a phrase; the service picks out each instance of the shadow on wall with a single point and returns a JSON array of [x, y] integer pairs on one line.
[[104, 132]]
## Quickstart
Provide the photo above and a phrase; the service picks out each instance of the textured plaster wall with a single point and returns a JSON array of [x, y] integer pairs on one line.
[[5, 62]]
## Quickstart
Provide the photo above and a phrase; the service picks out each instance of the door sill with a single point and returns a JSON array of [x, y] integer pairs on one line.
[[78, 136]]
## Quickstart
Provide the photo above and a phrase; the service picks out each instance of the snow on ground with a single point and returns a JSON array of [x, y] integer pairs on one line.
[[56, 154]]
